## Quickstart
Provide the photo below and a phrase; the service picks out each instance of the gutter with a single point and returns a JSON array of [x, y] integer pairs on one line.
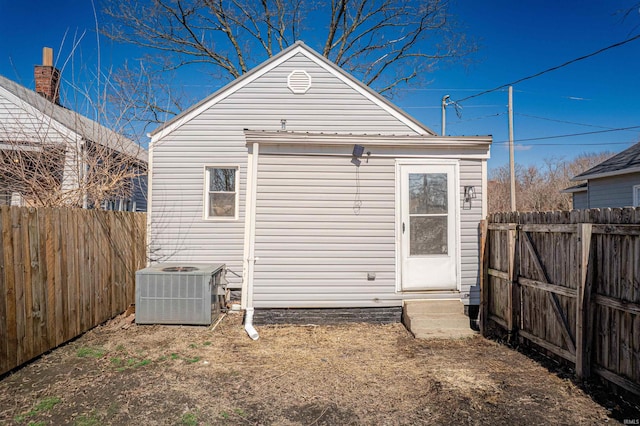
[[249, 241]]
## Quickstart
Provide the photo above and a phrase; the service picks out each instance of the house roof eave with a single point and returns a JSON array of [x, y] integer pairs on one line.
[[585, 176], [345, 139]]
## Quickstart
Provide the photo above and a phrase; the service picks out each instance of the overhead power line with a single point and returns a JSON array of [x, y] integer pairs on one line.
[[506, 143], [564, 121], [573, 134], [577, 134], [538, 74]]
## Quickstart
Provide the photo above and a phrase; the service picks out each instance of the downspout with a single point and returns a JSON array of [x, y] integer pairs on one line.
[[250, 239]]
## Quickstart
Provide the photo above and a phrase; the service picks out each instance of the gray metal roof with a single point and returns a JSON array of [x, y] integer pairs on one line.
[[83, 126], [628, 161]]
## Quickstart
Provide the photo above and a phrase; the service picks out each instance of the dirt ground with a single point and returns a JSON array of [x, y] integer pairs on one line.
[[293, 375]]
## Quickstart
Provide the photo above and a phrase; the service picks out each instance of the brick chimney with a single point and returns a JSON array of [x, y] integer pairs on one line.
[[48, 77]]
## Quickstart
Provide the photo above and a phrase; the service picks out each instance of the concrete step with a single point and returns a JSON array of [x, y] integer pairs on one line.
[[441, 319], [419, 307]]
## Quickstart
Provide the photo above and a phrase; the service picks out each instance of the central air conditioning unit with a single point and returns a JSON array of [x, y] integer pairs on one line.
[[186, 294]]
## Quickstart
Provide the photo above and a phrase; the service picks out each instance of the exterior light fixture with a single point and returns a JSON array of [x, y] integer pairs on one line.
[[469, 194], [358, 150]]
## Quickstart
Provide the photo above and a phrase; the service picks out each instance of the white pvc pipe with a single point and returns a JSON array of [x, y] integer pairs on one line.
[[248, 324], [248, 286]]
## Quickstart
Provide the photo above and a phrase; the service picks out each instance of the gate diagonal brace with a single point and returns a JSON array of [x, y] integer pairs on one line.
[[555, 303]]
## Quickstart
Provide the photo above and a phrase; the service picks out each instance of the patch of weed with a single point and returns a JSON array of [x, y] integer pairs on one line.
[[192, 360], [239, 412], [90, 420], [129, 363], [142, 363], [189, 419], [175, 356], [207, 343], [42, 406], [87, 352], [193, 346], [120, 348], [225, 415]]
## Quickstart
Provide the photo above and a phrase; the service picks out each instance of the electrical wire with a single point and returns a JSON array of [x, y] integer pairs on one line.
[[438, 107], [574, 134], [498, 114], [538, 74], [506, 143], [564, 121]]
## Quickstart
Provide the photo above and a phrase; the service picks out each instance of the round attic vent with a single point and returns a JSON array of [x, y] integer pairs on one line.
[[299, 81], [179, 269]]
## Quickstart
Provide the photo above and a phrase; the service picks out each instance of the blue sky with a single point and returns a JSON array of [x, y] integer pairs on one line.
[[517, 39]]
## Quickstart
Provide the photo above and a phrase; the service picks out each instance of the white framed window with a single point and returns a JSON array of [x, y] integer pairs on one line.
[[221, 192], [636, 196]]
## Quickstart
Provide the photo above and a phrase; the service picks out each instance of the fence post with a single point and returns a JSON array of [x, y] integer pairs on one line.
[[583, 303], [484, 276], [513, 296]]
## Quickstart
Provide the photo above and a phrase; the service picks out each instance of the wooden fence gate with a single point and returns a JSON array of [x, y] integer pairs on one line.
[[568, 282]]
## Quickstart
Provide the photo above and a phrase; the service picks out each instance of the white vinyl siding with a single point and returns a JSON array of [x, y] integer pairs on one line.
[[470, 216], [316, 244], [179, 233]]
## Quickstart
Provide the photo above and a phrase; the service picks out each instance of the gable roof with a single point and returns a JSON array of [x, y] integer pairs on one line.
[[75, 122], [271, 63], [627, 161]]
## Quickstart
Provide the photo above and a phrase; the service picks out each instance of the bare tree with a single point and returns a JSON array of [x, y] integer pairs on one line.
[[538, 188], [54, 156], [384, 43], [50, 167]]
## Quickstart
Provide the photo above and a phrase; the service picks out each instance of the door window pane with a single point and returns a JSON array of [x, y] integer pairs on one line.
[[427, 193], [428, 235]]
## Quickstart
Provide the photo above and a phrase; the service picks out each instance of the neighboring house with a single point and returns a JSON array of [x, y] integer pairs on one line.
[[51, 155], [317, 192], [613, 183]]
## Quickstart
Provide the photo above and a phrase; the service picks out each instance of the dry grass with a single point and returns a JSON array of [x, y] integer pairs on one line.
[[311, 375]]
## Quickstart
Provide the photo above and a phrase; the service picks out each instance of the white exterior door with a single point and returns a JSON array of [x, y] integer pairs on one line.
[[428, 226]]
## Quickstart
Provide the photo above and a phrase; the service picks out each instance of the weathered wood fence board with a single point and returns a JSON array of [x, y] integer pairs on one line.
[[62, 272], [570, 283]]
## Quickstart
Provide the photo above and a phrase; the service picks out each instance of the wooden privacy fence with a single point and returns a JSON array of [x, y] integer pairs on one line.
[[570, 283], [62, 272]]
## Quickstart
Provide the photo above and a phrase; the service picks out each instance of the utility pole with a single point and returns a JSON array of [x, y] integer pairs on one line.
[[445, 100], [511, 154]]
